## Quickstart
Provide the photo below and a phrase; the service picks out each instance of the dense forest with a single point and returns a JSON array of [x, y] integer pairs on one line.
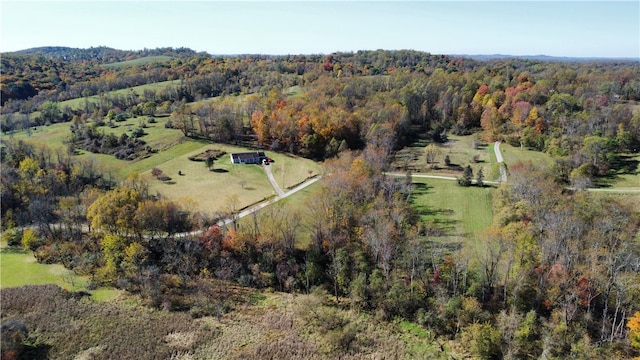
[[559, 274]]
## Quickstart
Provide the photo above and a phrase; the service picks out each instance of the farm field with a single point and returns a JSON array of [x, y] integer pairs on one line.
[[172, 156]]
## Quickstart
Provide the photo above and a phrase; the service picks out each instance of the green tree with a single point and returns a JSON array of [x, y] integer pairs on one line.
[[115, 211], [30, 240], [50, 112], [113, 251], [483, 340], [480, 178], [467, 177], [431, 152]]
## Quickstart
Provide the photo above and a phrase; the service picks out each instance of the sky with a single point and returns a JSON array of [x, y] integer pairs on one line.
[[544, 27]]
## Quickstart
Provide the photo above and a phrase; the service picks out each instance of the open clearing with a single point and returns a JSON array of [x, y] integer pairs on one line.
[[162, 59], [78, 103], [227, 186], [19, 268], [55, 136], [457, 212], [461, 152], [208, 191]]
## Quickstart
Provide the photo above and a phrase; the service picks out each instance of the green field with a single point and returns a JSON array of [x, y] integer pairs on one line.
[[460, 212], [210, 191], [140, 61], [19, 268], [514, 155], [460, 150], [55, 137], [138, 90]]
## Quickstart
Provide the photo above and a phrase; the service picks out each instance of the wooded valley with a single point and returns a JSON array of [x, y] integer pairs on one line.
[[363, 269]]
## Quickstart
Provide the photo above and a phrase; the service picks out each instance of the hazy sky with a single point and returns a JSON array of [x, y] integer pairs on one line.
[[572, 28]]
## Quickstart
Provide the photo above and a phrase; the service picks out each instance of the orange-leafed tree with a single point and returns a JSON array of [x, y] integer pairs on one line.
[[634, 330]]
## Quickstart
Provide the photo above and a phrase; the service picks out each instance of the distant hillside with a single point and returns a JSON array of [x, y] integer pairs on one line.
[[156, 59], [102, 54], [546, 58]]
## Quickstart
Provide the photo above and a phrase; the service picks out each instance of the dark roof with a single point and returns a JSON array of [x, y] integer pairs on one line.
[[248, 155]]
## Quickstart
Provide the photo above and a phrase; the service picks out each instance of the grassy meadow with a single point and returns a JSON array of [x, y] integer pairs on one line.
[[19, 267], [139, 62], [514, 155], [458, 212], [78, 103], [461, 153]]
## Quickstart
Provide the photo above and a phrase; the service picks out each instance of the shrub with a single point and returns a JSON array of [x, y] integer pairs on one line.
[[138, 132], [14, 237], [30, 240], [72, 325], [483, 339], [14, 333]]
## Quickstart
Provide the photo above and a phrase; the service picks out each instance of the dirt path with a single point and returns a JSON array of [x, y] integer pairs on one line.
[[272, 180], [500, 160]]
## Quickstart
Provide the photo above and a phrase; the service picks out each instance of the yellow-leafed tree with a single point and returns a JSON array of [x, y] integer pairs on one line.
[[634, 330]]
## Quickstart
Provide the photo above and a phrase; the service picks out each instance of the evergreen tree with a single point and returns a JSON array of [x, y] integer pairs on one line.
[[480, 178], [467, 176]]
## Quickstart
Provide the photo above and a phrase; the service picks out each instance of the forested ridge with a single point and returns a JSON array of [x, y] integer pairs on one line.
[[558, 272]]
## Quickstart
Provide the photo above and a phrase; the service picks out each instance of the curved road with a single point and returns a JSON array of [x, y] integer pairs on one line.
[[500, 160], [252, 209], [272, 180]]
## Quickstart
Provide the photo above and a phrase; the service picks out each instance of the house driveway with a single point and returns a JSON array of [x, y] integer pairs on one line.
[[272, 180]]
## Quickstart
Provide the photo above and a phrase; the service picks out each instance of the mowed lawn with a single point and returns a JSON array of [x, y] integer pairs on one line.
[[460, 212], [208, 191], [19, 268], [213, 190]]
